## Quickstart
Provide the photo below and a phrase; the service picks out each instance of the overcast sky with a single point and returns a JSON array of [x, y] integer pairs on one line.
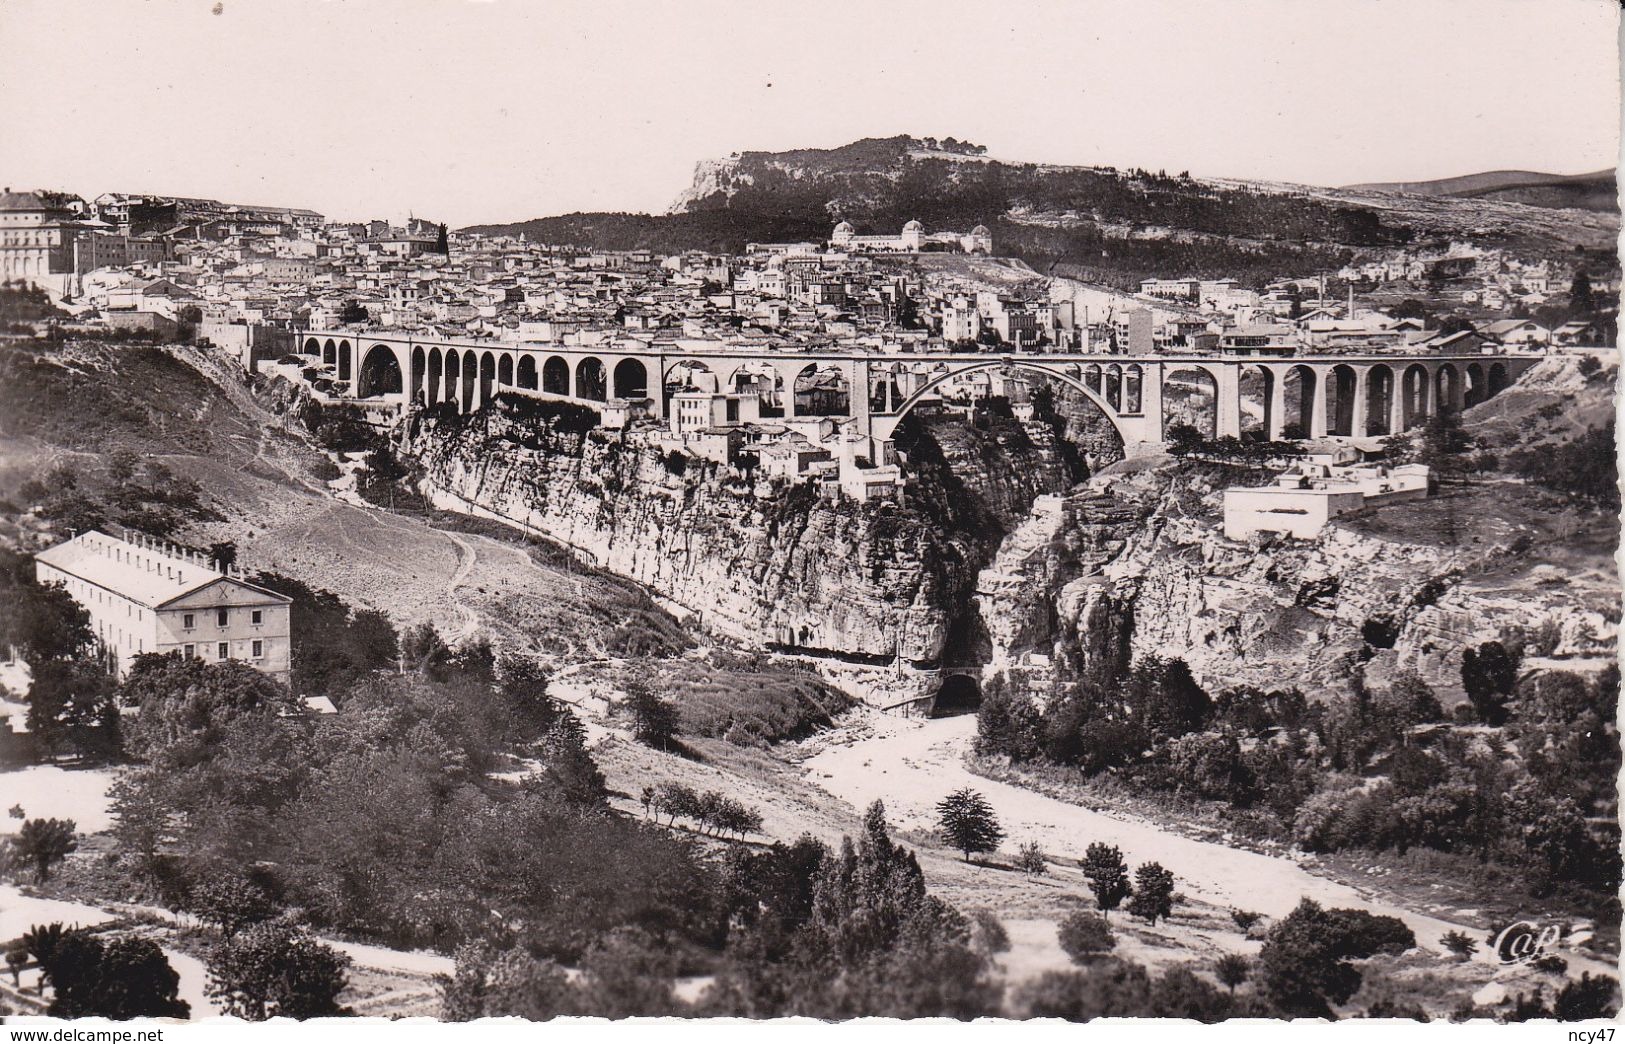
[[492, 110]]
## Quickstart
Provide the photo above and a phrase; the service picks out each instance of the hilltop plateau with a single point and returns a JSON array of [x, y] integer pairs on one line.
[[1114, 226]]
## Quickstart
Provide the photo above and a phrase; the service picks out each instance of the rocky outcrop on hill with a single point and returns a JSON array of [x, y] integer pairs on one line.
[[878, 588], [1095, 580]]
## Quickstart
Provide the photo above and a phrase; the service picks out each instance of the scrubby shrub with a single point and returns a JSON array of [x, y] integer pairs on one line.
[[1030, 860], [1085, 936]]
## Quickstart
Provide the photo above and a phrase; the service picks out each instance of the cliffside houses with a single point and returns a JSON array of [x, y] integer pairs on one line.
[[144, 596]]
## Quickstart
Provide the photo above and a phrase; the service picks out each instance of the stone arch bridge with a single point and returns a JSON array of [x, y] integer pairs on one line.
[[1335, 395]]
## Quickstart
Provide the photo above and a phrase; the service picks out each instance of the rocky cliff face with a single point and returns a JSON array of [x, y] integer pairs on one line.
[[880, 589], [1096, 579]]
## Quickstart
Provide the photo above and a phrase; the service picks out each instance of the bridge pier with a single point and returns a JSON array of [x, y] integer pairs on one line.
[[1227, 402], [1357, 412], [1275, 409]]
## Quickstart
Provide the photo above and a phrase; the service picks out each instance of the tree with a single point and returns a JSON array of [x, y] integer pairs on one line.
[[273, 969], [523, 686], [966, 822], [569, 766], [629, 974], [352, 312], [189, 707], [123, 979], [1184, 439], [231, 900], [1442, 444], [508, 983], [654, 720], [16, 957], [72, 709], [1085, 937], [1107, 874], [1459, 944], [988, 934], [1030, 860], [1153, 892], [1232, 969], [43, 843], [423, 650], [41, 621], [42, 941], [1304, 965], [1582, 301], [1109, 988], [1489, 675], [223, 555]]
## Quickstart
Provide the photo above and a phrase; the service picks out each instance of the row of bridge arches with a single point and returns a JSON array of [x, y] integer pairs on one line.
[[1277, 401], [1353, 400], [468, 378], [334, 353]]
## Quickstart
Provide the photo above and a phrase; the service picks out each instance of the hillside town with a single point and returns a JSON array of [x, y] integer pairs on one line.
[[1161, 563], [246, 276]]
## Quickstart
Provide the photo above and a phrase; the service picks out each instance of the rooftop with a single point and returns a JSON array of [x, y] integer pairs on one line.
[[144, 570]]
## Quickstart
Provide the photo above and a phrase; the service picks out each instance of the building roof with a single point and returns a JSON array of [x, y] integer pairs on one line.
[[143, 571], [24, 201]]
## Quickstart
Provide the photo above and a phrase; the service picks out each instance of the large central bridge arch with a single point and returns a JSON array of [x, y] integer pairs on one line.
[[1001, 362], [379, 373]]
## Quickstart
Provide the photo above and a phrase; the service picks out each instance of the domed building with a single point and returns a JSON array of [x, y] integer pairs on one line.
[[912, 240]]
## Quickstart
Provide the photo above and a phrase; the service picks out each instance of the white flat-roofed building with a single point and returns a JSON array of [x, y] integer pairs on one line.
[[144, 597], [1302, 501]]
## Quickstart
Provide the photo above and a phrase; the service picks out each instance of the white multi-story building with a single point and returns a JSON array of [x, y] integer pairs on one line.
[[144, 597]]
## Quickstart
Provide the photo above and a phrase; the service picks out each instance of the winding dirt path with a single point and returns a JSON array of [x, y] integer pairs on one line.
[[466, 557]]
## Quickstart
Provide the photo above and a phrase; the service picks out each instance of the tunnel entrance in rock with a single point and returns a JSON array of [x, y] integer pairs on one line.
[[960, 694]]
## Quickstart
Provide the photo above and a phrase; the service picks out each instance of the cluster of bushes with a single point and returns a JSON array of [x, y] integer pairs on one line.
[[1306, 968], [332, 645], [550, 414], [23, 304], [259, 969], [747, 701], [1583, 467], [127, 490], [811, 932], [1359, 774], [340, 429], [711, 811], [383, 819]]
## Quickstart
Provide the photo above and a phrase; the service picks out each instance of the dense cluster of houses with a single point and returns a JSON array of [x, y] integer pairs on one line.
[[247, 278], [153, 262]]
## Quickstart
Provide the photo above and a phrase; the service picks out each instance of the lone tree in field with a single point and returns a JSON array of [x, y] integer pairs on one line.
[[42, 843], [1107, 874], [654, 720], [1232, 970], [1153, 892], [1459, 944], [967, 823], [1030, 860]]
